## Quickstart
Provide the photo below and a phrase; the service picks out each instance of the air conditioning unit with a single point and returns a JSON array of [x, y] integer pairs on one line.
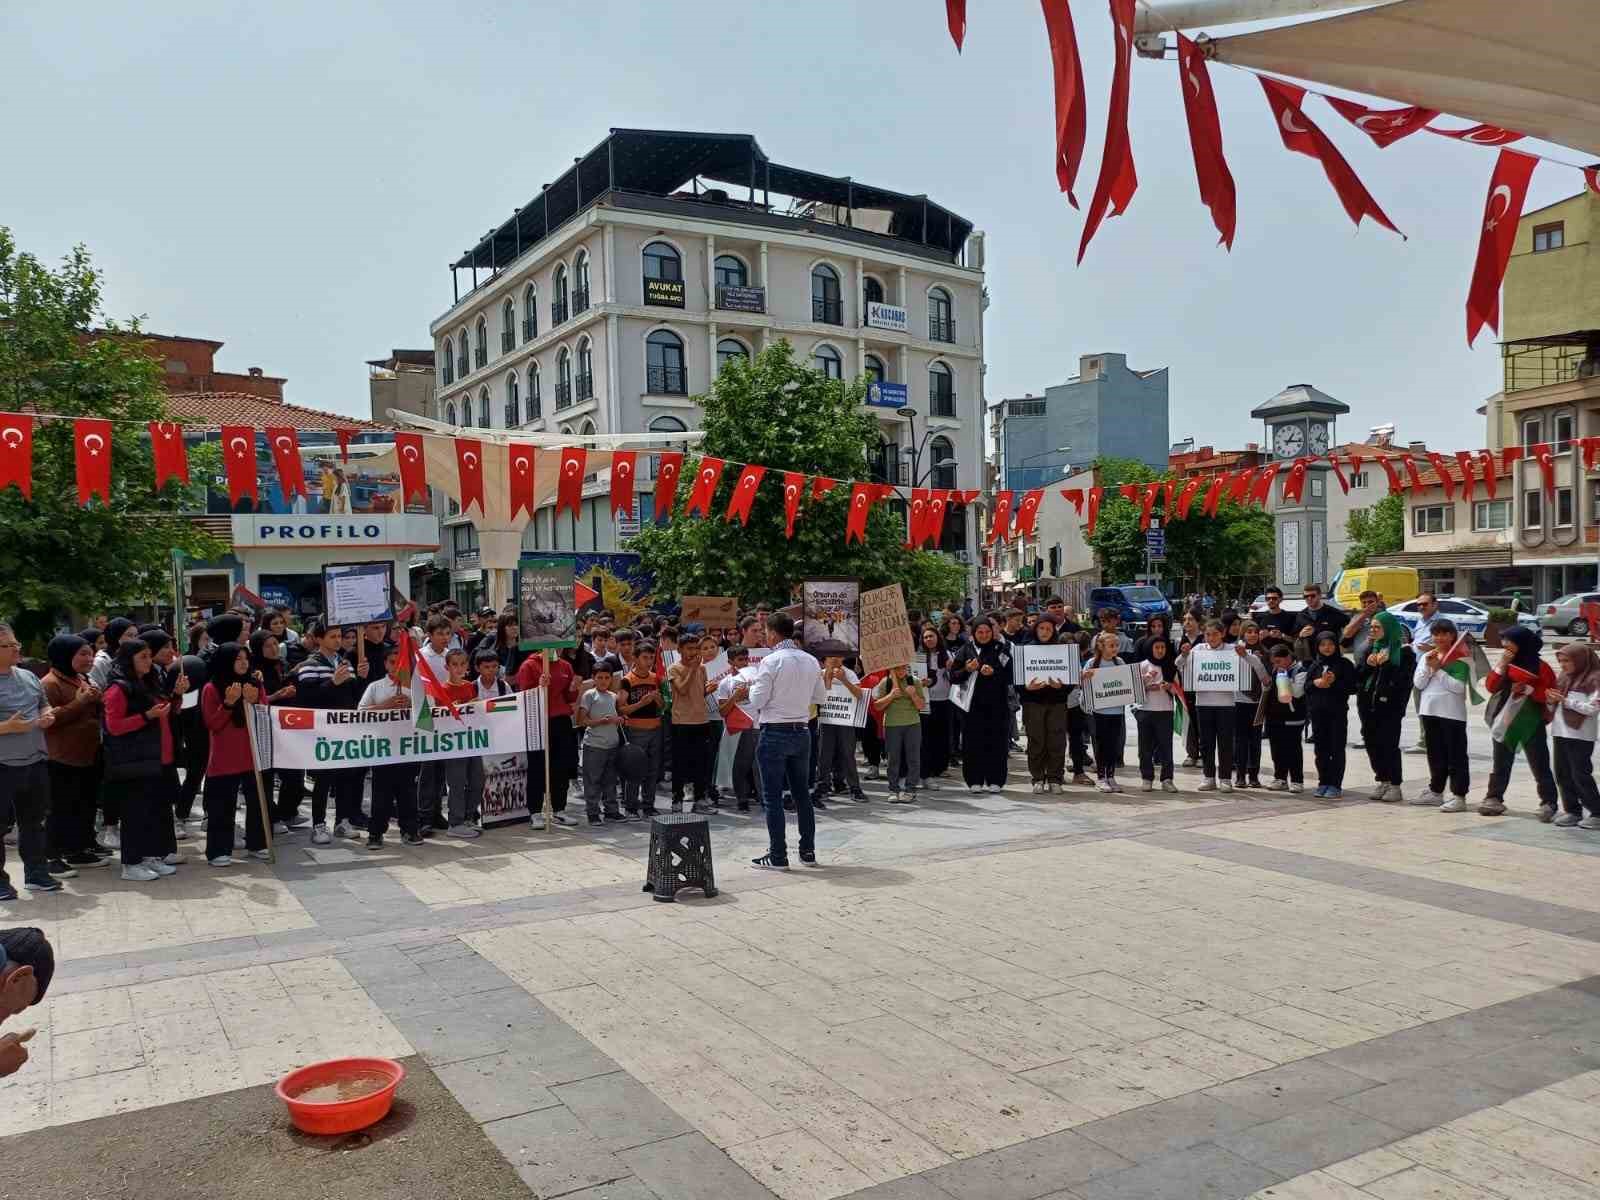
[[962, 557]]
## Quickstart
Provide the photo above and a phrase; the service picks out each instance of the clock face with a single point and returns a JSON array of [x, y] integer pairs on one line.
[[1318, 439], [1288, 441]]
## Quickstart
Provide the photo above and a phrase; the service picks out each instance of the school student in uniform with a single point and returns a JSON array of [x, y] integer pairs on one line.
[[1189, 636], [1383, 680], [1045, 708], [1442, 703], [1213, 713], [1109, 722], [836, 744], [394, 785], [1576, 698], [1246, 706], [1154, 716], [597, 716], [986, 727], [1332, 680], [933, 668], [1521, 650], [1285, 710]]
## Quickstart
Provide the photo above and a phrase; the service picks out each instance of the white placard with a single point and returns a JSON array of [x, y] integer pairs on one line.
[[961, 693], [1211, 670], [1055, 664], [191, 698], [1115, 687], [840, 707], [357, 593]]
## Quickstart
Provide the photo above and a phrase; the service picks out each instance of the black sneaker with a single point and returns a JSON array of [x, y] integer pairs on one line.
[[819, 802], [7, 892], [103, 851], [42, 883], [809, 860], [374, 843], [597, 820], [439, 823], [744, 806], [59, 868], [428, 831], [413, 839], [859, 797], [765, 863]]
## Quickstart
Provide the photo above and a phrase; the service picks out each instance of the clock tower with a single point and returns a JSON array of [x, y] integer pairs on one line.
[[1300, 424]]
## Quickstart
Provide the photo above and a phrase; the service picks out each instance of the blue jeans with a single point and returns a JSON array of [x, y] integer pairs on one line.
[[784, 757]]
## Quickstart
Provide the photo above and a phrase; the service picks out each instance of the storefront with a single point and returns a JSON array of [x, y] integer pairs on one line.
[[282, 555]]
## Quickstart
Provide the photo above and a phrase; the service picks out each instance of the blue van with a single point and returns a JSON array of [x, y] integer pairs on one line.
[[1136, 603]]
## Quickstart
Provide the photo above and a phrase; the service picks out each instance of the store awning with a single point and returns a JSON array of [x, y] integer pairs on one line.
[[1486, 557]]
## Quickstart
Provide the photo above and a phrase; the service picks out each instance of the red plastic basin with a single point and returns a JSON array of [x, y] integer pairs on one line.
[[335, 1116]]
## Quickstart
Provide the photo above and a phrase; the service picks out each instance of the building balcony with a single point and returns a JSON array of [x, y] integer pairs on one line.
[[585, 385], [563, 396], [558, 312], [508, 341], [666, 381], [529, 329], [941, 330], [827, 312], [462, 370], [480, 357], [942, 404], [580, 300]]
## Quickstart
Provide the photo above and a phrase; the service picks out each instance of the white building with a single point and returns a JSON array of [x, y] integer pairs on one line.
[[612, 299]]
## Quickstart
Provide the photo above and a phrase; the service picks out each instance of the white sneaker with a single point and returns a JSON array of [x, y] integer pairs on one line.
[[1147, 785], [1394, 795], [563, 819], [1038, 787], [461, 831], [221, 860], [159, 867], [1426, 798], [994, 788], [1296, 788], [1210, 785], [1589, 823], [874, 773], [1115, 786], [320, 837], [1278, 785], [976, 789], [175, 859], [1419, 748], [1380, 793], [1190, 762], [261, 855], [344, 829], [279, 827], [536, 821], [1225, 785], [1168, 785], [110, 838], [1102, 785], [1052, 789], [180, 831], [139, 873], [894, 797], [1454, 804]]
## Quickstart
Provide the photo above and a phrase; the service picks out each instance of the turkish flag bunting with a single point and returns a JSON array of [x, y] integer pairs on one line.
[[744, 494], [963, 498], [821, 485], [624, 470], [933, 528], [239, 458], [1240, 487], [1168, 488], [16, 452], [1075, 497], [1147, 503], [1129, 492], [955, 16], [1071, 111], [861, 496], [1002, 516], [1355, 462], [1395, 485], [285, 446], [794, 483], [1543, 455], [1301, 135], [1186, 497], [1294, 487], [667, 468], [413, 465], [916, 517], [469, 470], [1095, 495], [1411, 473], [344, 436], [1261, 490], [91, 444], [520, 462], [1481, 135], [1385, 126], [1205, 141], [170, 453], [1464, 461], [569, 482], [1208, 506], [1437, 461], [1591, 178], [1508, 187], [1591, 449], [1118, 180], [1508, 456], [1028, 512], [707, 475], [1487, 470], [1344, 484]]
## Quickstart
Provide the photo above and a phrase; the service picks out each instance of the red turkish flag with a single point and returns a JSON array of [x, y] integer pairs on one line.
[[1508, 187], [1481, 135], [171, 456], [794, 483], [933, 529], [744, 494], [1437, 461], [1028, 512], [821, 485], [1240, 488], [667, 468], [1486, 463], [91, 446], [963, 498], [285, 446], [1001, 520], [1071, 111], [239, 457], [861, 499], [569, 483], [1096, 494], [1591, 451], [1261, 489], [1344, 484], [707, 474], [916, 517], [1464, 461], [1129, 492], [344, 436], [1118, 180], [1169, 487], [1301, 135], [520, 463], [1385, 126], [1591, 178], [1186, 497], [1205, 141], [16, 452], [623, 472], [469, 470], [1543, 455], [1075, 497], [413, 466], [955, 16], [1411, 473], [1213, 497], [1509, 455], [1395, 486], [1147, 502]]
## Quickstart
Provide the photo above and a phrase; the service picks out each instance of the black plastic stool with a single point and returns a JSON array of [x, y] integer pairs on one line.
[[680, 856]]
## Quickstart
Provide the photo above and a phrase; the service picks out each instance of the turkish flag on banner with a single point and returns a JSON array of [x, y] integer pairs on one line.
[[1464, 461], [1261, 490], [469, 470], [1543, 455], [1385, 126], [1344, 484], [963, 498], [623, 467], [1411, 474], [1355, 462], [285, 446], [1239, 488], [855, 529], [1074, 496], [1205, 141], [821, 485], [1508, 188], [520, 462], [344, 436], [239, 459], [1437, 461], [1186, 498], [933, 527], [1001, 520], [1487, 470], [955, 16], [413, 466], [1096, 494], [916, 517], [171, 455], [1213, 497], [1301, 135], [1147, 502], [1168, 488], [1509, 455], [744, 494], [794, 483], [707, 474], [1482, 135], [1591, 451], [1071, 111], [1395, 486], [1118, 180], [1028, 512], [667, 468], [91, 445], [569, 482]]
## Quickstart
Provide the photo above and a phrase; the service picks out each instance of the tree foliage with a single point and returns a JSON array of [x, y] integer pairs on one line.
[[1380, 529], [55, 556], [788, 417], [1118, 542]]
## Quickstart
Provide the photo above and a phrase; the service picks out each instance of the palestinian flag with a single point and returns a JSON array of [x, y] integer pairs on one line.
[[1180, 707], [586, 598], [426, 690], [1458, 663], [1520, 717]]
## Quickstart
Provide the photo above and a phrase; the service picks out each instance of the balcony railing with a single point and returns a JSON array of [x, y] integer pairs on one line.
[[666, 381], [941, 329], [558, 311], [461, 365], [508, 341], [828, 312], [942, 403], [449, 373], [480, 355], [529, 329], [580, 300], [585, 385], [563, 396]]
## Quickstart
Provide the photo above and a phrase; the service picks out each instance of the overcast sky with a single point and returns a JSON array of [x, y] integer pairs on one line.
[[291, 179]]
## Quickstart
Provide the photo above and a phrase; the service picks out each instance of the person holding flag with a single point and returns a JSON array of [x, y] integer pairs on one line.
[[394, 785], [1576, 699], [1517, 716], [1443, 681]]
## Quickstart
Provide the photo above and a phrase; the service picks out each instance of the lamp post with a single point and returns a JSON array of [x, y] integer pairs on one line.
[[916, 447]]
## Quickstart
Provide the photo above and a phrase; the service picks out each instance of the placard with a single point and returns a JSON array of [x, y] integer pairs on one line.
[[320, 739], [547, 610], [1211, 670], [840, 707], [505, 789], [831, 612], [1055, 664], [1115, 687], [885, 631], [961, 693], [714, 612], [356, 593]]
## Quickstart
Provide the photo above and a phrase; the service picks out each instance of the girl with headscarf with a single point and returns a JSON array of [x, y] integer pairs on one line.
[[1187, 638], [1158, 627], [1520, 674], [271, 671], [956, 638], [137, 738], [1383, 690], [1044, 717], [1247, 727], [1159, 666], [932, 668], [230, 767], [987, 721], [1576, 698], [73, 744], [1331, 679]]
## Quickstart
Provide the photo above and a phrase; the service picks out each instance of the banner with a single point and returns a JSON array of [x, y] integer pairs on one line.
[[714, 612], [1115, 687], [1211, 670], [830, 612], [840, 707], [320, 739], [1056, 664], [885, 630], [547, 611]]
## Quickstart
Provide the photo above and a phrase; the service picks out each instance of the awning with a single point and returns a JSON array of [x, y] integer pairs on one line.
[[1529, 66], [1472, 556]]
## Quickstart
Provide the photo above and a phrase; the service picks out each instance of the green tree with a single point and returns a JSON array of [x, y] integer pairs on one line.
[[1380, 529], [787, 417], [56, 556], [1226, 554], [1118, 542]]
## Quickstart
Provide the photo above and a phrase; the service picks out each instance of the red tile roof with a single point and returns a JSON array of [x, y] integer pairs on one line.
[[210, 409]]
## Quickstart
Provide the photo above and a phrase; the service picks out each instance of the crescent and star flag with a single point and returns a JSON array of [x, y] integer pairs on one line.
[[16, 452], [1074, 496], [171, 456], [1168, 488], [285, 446], [1356, 460], [1095, 495], [1186, 497], [1509, 455], [1071, 111], [91, 446], [1464, 461], [344, 436], [1508, 187], [469, 470], [569, 482], [1240, 487], [1208, 506], [1591, 451], [860, 501], [413, 465], [1118, 180], [1002, 516], [624, 464], [933, 530], [1302, 135], [794, 483], [239, 458], [1129, 492], [667, 468], [1385, 126], [744, 494], [1486, 462], [1295, 485], [1395, 486], [821, 485], [1261, 490], [1344, 484], [1205, 141], [963, 498], [707, 474], [1028, 512], [916, 517], [1481, 135], [1411, 473], [1437, 461], [1547, 467], [1146, 503], [519, 477], [955, 16]]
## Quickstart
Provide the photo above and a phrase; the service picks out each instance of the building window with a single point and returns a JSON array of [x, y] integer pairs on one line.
[[450, 412], [462, 350], [1532, 509], [558, 294], [483, 409], [465, 540], [872, 368], [942, 457], [663, 358], [535, 403], [1532, 431], [585, 370], [661, 261], [660, 425], [826, 306], [449, 376], [1549, 237], [941, 391], [871, 292], [1490, 515], [1564, 517], [883, 463], [941, 317], [508, 327], [826, 359], [731, 350], [731, 272], [1561, 428], [480, 348], [563, 379], [1358, 479], [1433, 518], [530, 313], [513, 401], [580, 282]]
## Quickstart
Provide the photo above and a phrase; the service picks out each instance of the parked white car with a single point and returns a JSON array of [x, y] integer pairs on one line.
[[1290, 604], [1468, 615]]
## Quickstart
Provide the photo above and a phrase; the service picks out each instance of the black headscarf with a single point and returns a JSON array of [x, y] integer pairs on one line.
[[91, 636], [61, 651], [1525, 645], [115, 628], [226, 628], [142, 690], [271, 669], [1168, 664], [1327, 635], [223, 675]]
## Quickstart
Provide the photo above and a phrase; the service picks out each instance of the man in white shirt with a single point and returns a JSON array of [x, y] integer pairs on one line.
[[788, 683]]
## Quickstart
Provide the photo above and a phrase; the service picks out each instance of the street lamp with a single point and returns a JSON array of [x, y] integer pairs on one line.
[[911, 414]]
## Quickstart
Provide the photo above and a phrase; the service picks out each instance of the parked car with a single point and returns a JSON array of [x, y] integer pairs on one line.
[[1135, 603], [1290, 604], [1470, 616], [1564, 616], [1394, 584]]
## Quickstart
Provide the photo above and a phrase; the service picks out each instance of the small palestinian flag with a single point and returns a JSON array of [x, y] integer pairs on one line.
[[1521, 716], [1457, 662], [426, 690], [1180, 707]]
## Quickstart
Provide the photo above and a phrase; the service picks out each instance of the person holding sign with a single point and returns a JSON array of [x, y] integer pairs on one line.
[[1109, 720], [1247, 732], [1285, 711], [736, 755], [836, 744], [933, 670], [1215, 681], [984, 665], [1044, 719], [901, 699], [394, 785], [1333, 679], [1154, 716], [230, 767]]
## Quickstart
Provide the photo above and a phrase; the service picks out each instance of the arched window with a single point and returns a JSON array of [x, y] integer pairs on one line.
[[731, 272], [530, 313], [563, 379], [661, 261], [731, 350], [449, 366], [580, 282], [585, 370], [942, 457], [826, 359], [941, 391], [883, 462], [825, 304], [663, 356], [665, 424], [480, 348], [449, 412], [535, 401], [483, 409], [941, 317], [558, 295], [513, 401], [587, 430], [462, 350], [871, 292], [508, 327], [872, 368]]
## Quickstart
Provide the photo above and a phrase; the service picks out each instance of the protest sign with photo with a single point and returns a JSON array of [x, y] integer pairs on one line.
[[547, 609], [830, 612], [356, 593], [505, 789], [885, 631], [1115, 687], [713, 612], [961, 693], [841, 707], [318, 739], [1055, 664], [1211, 670]]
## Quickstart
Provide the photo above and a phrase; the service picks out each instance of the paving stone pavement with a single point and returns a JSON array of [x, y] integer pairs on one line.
[[994, 997]]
